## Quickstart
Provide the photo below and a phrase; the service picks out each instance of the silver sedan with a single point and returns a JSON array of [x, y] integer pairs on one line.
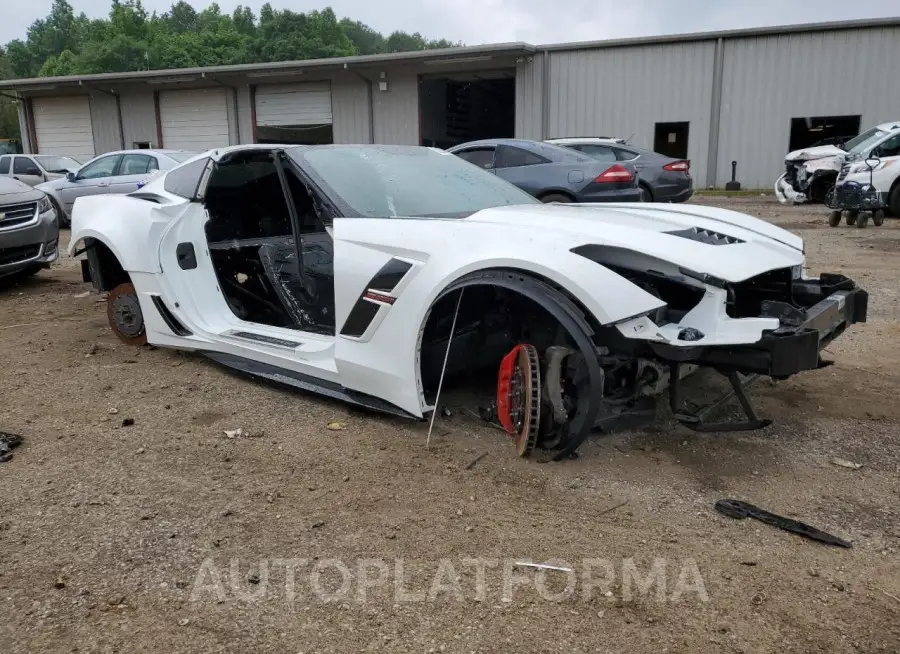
[[114, 172]]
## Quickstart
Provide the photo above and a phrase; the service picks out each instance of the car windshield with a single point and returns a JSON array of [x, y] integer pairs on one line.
[[400, 181], [864, 141], [58, 164], [181, 157]]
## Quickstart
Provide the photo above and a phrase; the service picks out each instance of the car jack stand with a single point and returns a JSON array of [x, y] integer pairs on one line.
[[696, 419]]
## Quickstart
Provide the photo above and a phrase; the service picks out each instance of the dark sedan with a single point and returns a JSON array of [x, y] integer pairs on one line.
[[662, 178], [552, 173]]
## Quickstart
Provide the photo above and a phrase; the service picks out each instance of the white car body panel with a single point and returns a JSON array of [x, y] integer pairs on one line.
[[382, 361]]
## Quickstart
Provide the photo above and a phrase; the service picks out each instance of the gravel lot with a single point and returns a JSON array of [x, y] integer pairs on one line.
[[115, 536]]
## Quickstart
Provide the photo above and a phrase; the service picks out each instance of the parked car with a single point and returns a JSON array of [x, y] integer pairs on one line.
[[34, 169], [661, 178], [113, 172], [552, 173], [812, 172], [29, 231], [352, 270], [870, 181]]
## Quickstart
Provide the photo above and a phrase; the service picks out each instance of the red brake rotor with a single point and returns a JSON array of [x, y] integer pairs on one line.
[[519, 396]]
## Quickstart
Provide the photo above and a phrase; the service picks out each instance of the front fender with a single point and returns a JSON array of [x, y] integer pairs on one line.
[[442, 252]]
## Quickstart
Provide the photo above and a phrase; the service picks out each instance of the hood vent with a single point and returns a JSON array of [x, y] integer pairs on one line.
[[705, 236]]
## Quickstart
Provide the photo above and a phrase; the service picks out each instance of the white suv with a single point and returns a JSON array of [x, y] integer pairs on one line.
[[882, 143]]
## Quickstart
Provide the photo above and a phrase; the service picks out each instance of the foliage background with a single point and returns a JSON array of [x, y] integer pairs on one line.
[[63, 43]]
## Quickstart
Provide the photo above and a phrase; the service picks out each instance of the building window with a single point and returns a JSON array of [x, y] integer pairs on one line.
[[142, 145], [822, 130]]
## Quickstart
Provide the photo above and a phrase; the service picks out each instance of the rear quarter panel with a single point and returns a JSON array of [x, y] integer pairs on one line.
[[130, 227]]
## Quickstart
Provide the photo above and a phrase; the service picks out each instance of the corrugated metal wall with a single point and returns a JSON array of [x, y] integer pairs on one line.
[[245, 114], [397, 109], [105, 123], [530, 98], [350, 110], [769, 80], [627, 90], [138, 117]]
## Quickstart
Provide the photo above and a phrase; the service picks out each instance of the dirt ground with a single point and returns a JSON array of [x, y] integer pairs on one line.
[[166, 535]]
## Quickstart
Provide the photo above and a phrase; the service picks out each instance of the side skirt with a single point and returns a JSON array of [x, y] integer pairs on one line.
[[306, 383]]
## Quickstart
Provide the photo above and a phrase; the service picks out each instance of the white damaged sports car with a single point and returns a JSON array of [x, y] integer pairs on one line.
[[371, 273]]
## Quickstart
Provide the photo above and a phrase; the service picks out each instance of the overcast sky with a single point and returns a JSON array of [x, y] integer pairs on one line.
[[534, 21]]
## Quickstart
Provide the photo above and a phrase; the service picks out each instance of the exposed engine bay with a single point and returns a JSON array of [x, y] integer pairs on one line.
[[809, 174]]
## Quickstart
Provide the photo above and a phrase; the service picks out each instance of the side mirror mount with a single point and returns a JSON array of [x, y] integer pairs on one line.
[[71, 176]]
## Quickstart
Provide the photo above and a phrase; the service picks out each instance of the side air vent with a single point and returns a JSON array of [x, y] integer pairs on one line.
[[706, 236], [171, 321]]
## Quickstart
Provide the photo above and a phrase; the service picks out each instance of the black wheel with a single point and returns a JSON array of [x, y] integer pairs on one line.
[[852, 215], [61, 216], [894, 201], [834, 219], [862, 220], [556, 197], [123, 310], [878, 217], [646, 193]]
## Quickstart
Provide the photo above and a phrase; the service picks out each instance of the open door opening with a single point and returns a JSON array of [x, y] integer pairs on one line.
[[823, 130], [671, 139], [461, 107], [253, 244], [295, 134]]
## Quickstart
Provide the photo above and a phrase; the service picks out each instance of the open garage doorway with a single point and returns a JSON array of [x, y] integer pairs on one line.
[[460, 107], [822, 130], [297, 114]]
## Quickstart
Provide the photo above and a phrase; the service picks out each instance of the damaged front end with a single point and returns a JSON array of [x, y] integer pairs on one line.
[[809, 174], [551, 394]]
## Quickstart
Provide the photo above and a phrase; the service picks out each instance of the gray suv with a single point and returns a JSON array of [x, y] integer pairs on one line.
[[29, 230]]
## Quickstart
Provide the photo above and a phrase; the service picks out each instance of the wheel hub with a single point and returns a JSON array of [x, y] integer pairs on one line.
[[129, 319]]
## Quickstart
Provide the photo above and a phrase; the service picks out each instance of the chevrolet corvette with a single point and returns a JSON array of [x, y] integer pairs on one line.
[[372, 273]]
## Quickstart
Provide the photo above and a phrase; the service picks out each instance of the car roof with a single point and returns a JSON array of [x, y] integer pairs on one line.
[[557, 153], [572, 140], [889, 127]]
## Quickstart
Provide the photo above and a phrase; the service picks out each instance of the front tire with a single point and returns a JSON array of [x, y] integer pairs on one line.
[[61, 216], [646, 193], [834, 219], [123, 310], [894, 201], [878, 217], [862, 220], [852, 216], [556, 197]]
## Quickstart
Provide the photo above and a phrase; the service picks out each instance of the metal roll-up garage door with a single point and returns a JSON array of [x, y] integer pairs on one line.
[[194, 120], [289, 105], [62, 126]]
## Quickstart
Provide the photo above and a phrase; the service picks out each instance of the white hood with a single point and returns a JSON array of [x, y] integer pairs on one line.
[[818, 152], [664, 232]]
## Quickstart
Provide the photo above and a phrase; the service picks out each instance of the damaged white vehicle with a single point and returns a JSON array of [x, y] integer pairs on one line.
[[810, 173], [374, 273]]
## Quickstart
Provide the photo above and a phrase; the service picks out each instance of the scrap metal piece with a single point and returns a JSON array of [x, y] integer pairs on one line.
[[519, 397], [7, 442], [739, 510]]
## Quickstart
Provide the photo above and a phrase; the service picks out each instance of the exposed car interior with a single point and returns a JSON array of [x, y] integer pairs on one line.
[[253, 245]]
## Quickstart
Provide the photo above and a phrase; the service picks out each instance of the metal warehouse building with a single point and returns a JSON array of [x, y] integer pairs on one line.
[[747, 95]]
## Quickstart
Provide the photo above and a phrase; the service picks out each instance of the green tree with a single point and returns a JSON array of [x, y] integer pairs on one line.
[[130, 38], [9, 114]]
